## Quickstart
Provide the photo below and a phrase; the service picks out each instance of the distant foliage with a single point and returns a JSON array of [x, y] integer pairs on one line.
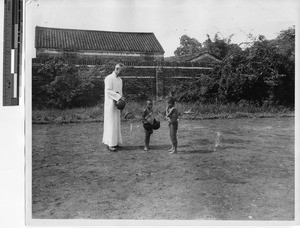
[[57, 84], [188, 46], [219, 47], [263, 73], [194, 89], [139, 89]]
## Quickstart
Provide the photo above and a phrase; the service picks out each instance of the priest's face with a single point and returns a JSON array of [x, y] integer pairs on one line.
[[118, 70]]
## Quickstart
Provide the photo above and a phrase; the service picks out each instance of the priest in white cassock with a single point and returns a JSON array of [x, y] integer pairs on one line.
[[112, 136]]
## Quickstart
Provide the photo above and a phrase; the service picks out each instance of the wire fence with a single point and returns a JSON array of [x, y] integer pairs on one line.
[[129, 63], [139, 79]]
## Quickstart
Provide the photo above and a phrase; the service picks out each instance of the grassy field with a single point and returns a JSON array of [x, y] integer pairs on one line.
[[249, 177]]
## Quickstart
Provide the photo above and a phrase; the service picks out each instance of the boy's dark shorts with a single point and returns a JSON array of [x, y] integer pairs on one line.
[[148, 128], [174, 124], [148, 132]]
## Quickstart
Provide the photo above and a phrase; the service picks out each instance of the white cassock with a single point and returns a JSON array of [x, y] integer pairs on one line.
[[112, 122]]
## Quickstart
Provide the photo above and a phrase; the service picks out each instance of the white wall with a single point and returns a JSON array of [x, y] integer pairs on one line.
[[11, 152]]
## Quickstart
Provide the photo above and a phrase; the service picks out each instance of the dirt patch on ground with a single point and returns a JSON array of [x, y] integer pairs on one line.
[[250, 177]]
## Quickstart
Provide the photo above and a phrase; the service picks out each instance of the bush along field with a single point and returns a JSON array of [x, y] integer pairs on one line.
[[133, 112]]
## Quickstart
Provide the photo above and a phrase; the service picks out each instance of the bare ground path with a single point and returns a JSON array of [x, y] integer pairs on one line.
[[250, 177]]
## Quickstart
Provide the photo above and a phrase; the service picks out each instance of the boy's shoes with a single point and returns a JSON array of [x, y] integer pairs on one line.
[[146, 148]]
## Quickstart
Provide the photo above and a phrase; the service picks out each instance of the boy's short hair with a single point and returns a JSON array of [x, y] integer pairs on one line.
[[171, 100]]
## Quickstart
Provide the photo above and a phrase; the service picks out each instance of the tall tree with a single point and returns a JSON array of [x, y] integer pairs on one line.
[[285, 65], [219, 47], [263, 72], [188, 46]]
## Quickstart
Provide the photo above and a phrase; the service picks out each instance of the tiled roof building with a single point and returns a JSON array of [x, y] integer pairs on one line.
[[143, 46]]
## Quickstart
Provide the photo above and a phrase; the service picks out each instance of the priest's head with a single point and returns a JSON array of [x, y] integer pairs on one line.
[[118, 68]]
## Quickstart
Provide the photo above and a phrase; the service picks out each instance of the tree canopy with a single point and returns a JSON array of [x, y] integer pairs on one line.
[[217, 46], [188, 46], [262, 72]]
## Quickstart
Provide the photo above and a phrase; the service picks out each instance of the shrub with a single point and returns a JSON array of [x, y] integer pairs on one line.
[[57, 84]]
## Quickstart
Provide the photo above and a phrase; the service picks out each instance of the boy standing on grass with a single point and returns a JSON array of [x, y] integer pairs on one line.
[[172, 117], [147, 120]]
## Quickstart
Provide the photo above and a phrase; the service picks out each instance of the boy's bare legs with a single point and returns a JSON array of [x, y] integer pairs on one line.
[[174, 151], [147, 141], [173, 136], [172, 148]]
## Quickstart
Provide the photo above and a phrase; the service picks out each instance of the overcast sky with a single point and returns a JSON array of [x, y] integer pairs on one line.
[[167, 19]]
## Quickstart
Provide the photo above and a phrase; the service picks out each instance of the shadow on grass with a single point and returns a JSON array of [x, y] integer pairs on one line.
[[232, 147], [235, 141], [195, 151], [201, 142], [141, 147], [125, 149], [183, 149], [163, 147]]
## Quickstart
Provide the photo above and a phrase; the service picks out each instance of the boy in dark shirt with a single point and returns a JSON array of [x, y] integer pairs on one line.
[[172, 117], [147, 120]]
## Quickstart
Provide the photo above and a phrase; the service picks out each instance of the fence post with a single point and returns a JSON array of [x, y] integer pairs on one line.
[[159, 81]]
